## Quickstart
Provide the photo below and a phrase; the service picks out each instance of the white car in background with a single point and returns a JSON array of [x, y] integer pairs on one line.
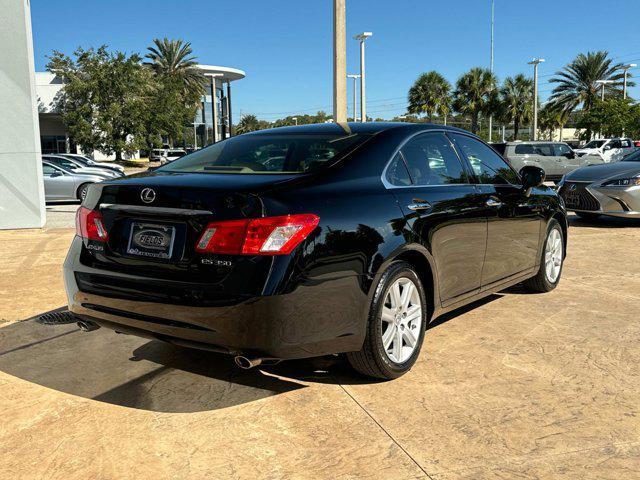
[[610, 149]]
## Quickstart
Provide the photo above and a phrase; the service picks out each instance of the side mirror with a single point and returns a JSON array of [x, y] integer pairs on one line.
[[607, 147], [532, 177]]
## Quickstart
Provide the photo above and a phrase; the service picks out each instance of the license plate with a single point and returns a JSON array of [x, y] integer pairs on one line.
[[151, 240]]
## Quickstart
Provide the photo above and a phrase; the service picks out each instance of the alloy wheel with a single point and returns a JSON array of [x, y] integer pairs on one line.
[[553, 255], [401, 319]]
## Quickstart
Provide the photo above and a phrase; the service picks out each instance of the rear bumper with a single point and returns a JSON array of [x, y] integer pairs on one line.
[[317, 317]]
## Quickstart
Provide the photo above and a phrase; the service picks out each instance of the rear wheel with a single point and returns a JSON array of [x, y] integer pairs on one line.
[[587, 216], [551, 263], [396, 325], [82, 191]]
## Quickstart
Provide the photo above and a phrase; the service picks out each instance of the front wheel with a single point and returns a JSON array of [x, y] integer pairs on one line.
[[551, 263], [396, 325]]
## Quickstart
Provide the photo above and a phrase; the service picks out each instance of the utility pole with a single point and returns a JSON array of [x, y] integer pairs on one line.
[[602, 83], [491, 61], [535, 63], [355, 98], [626, 69], [339, 61], [363, 96]]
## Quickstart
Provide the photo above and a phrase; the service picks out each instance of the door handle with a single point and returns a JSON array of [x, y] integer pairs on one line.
[[493, 202], [419, 205]]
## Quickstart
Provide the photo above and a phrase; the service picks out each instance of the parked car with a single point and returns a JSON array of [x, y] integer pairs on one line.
[[354, 250], [77, 167], [555, 158], [611, 189], [64, 184], [88, 162], [156, 154], [610, 149], [172, 154]]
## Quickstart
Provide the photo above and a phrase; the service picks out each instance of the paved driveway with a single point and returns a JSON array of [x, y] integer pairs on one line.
[[517, 386]]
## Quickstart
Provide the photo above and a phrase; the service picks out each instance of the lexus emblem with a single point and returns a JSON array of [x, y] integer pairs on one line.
[[148, 195], [572, 187]]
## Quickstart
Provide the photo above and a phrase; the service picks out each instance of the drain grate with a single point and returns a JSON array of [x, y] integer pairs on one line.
[[57, 318]]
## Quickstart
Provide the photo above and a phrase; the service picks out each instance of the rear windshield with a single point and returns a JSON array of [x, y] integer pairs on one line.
[[264, 154]]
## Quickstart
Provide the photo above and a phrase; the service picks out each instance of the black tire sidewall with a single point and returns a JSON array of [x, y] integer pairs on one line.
[[389, 368], [84, 187]]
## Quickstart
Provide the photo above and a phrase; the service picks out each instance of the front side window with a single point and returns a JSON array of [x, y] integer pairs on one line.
[[614, 144], [487, 165], [594, 144], [562, 149], [543, 149], [431, 160], [268, 154], [524, 149]]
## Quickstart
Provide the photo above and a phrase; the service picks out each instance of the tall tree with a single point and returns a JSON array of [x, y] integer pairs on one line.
[[174, 58], [576, 83], [516, 101], [612, 118], [475, 94], [431, 95], [104, 99]]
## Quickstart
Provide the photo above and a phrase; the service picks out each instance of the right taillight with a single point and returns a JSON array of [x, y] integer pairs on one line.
[[89, 225], [257, 236]]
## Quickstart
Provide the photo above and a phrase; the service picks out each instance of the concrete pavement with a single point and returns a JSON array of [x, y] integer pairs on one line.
[[517, 386]]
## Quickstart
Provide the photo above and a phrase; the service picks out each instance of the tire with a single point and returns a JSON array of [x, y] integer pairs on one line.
[[543, 281], [82, 191], [374, 360], [587, 216]]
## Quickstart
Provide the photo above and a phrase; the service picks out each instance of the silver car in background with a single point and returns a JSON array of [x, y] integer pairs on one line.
[[76, 166], [88, 162], [611, 189], [555, 158], [62, 184]]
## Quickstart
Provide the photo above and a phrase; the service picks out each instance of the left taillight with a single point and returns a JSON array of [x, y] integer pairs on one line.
[[89, 225], [257, 236]]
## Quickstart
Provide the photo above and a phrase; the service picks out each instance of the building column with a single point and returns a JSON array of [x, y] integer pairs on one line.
[[21, 183], [230, 116]]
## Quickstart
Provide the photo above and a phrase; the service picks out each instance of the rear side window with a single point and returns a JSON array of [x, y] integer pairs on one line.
[[431, 160], [397, 173], [544, 149], [265, 154], [625, 143], [489, 167], [48, 170], [524, 149]]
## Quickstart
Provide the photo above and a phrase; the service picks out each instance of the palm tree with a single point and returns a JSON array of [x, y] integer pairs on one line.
[[174, 58], [248, 123], [430, 94], [576, 83], [516, 101], [475, 94]]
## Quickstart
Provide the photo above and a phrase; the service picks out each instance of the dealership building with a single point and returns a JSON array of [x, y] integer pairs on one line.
[[212, 121]]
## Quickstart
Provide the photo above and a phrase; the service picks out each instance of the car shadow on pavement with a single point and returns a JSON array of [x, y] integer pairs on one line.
[[152, 375], [130, 371], [604, 222]]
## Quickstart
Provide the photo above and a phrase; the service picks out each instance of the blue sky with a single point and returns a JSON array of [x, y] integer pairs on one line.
[[285, 45]]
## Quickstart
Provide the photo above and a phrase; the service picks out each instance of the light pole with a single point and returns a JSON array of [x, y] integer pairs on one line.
[[339, 61], [295, 119], [491, 61], [602, 83], [355, 77], [363, 100], [535, 63], [626, 68]]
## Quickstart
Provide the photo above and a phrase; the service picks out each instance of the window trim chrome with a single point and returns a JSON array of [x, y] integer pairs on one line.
[[389, 186]]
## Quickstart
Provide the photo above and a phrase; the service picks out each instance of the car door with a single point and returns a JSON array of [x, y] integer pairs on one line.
[[444, 210], [514, 219], [524, 154], [566, 157], [58, 185], [549, 162]]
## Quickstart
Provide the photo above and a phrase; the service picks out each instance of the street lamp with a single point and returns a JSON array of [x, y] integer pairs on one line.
[[363, 102], [602, 83], [355, 77], [295, 119], [339, 61], [491, 62], [535, 63], [626, 68]]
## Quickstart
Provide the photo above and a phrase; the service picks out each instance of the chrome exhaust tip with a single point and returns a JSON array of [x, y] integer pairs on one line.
[[246, 363], [87, 326]]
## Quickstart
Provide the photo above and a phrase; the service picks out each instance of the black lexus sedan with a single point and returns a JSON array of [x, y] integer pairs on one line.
[[313, 240]]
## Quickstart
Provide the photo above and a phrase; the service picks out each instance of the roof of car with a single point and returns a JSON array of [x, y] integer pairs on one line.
[[354, 127], [527, 142]]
